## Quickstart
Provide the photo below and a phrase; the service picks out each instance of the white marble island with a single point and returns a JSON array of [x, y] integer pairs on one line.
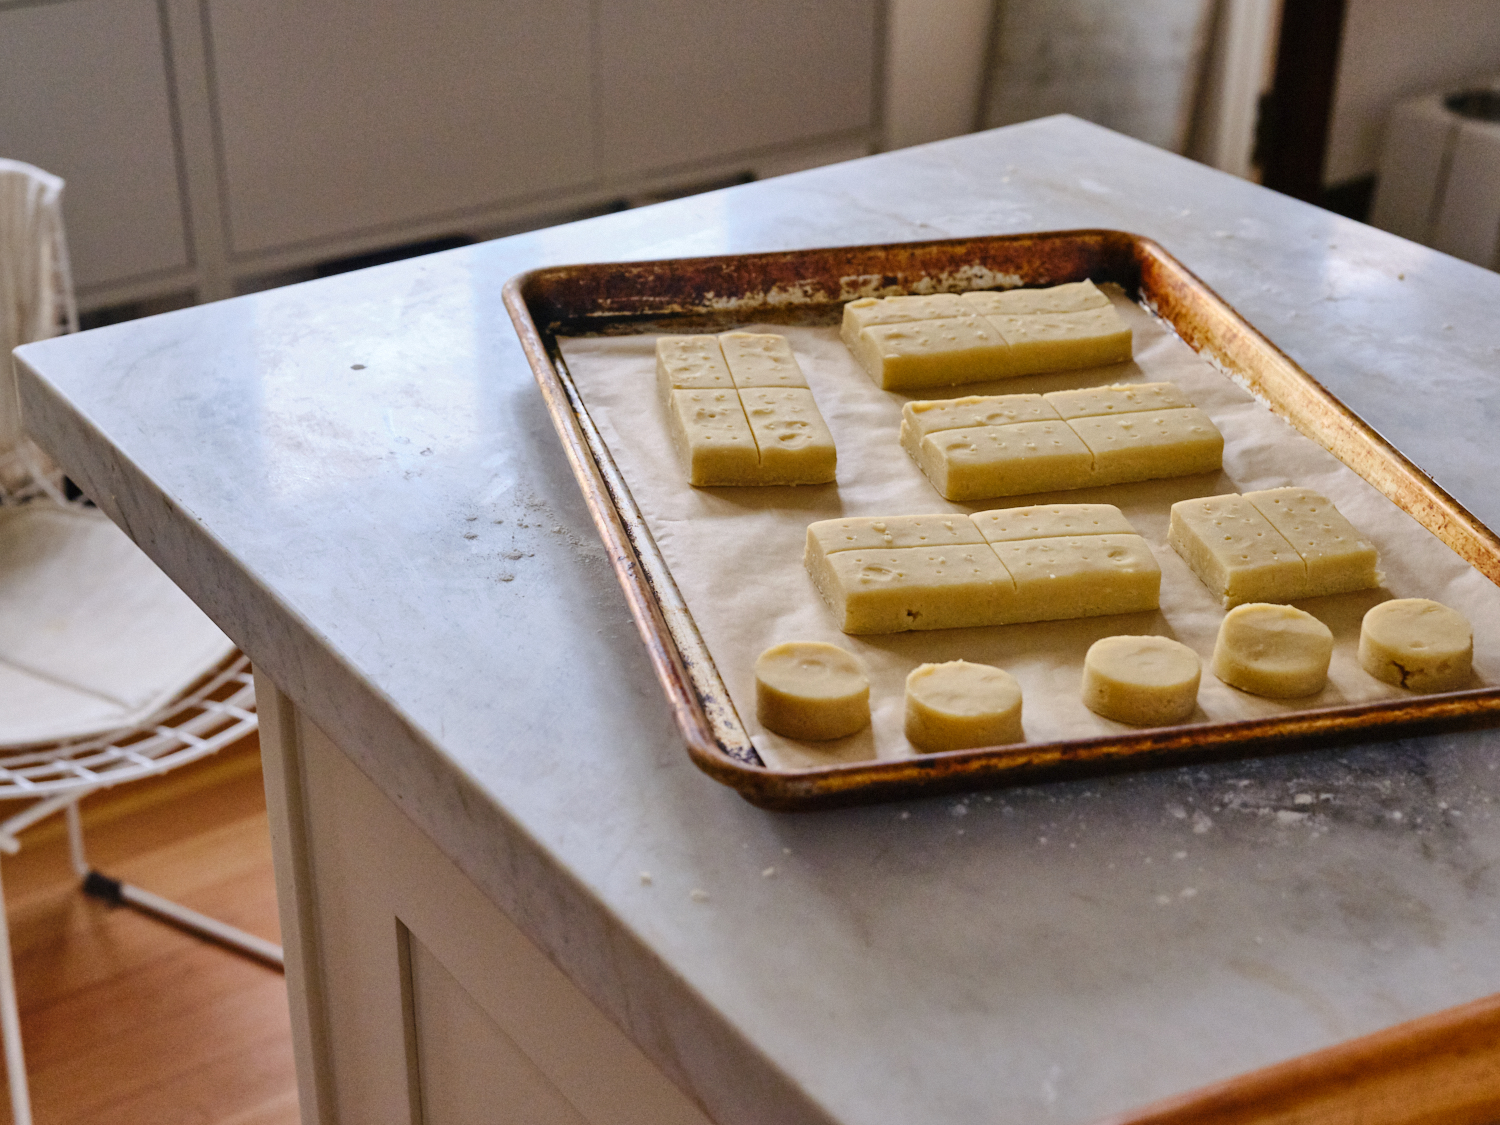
[[357, 480]]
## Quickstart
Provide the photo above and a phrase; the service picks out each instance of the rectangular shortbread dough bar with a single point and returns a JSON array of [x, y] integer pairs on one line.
[[978, 447], [983, 461], [1276, 545], [740, 411], [1076, 296], [908, 343], [993, 568], [1338, 558], [915, 354], [861, 314], [1064, 341]]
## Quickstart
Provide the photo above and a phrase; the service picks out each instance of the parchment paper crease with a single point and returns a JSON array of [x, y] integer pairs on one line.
[[736, 553]]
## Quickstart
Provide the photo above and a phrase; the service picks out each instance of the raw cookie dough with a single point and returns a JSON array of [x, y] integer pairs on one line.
[[1276, 545], [1276, 651], [993, 568], [1076, 296], [958, 705], [1064, 341], [978, 447], [811, 690], [916, 354], [1338, 558], [861, 314], [906, 343], [740, 412], [710, 430], [1144, 681], [1418, 644]]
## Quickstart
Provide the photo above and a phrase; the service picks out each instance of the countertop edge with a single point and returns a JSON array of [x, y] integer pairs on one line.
[[684, 1036]]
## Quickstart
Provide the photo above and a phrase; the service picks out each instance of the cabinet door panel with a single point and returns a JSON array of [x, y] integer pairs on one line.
[[83, 94], [683, 81], [338, 116]]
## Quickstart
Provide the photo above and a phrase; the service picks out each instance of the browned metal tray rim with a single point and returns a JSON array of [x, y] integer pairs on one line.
[[810, 286]]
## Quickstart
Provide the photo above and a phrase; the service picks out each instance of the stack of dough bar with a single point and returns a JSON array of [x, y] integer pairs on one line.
[[1008, 445], [1272, 546], [909, 343], [993, 568], [740, 411]]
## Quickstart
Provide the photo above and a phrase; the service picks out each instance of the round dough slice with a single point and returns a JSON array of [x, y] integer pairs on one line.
[[1144, 681], [1416, 643], [958, 705], [1273, 650], [811, 690]]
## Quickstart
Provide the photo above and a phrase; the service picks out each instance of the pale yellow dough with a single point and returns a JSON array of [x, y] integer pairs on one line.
[[1418, 644], [1150, 445], [1075, 296], [1119, 398], [1235, 551], [958, 706], [760, 359], [1009, 445], [918, 419], [1338, 558], [1276, 651], [989, 461], [713, 435], [1078, 576], [791, 437], [811, 690], [859, 315], [690, 363], [1276, 545], [883, 591], [1065, 341], [908, 343], [1050, 521], [1143, 681], [740, 412], [910, 355], [995, 568]]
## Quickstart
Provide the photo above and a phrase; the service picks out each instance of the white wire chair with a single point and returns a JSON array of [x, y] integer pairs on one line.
[[108, 674]]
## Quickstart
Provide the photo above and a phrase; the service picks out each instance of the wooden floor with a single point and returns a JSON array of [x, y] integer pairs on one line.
[[128, 1020]]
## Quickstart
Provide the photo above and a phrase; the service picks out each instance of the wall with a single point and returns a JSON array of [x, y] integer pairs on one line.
[[934, 67], [1131, 67], [1239, 68], [1395, 48]]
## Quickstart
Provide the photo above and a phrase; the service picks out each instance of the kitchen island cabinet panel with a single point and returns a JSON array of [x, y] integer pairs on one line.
[[412, 993]]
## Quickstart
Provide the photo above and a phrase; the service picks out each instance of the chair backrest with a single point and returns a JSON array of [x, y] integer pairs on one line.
[[36, 292]]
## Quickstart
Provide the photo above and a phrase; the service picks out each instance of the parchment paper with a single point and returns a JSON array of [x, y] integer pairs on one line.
[[736, 553]]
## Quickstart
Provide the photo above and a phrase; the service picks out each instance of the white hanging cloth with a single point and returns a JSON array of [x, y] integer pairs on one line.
[[36, 300]]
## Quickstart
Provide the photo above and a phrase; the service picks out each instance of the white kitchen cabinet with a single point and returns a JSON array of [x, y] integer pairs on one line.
[[683, 82], [423, 1002], [345, 115], [207, 144], [83, 93]]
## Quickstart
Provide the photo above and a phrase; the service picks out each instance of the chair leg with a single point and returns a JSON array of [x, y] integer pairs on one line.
[[75, 840], [125, 894], [10, 1027]]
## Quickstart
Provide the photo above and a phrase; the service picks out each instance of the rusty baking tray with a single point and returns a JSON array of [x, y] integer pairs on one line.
[[809, 287]]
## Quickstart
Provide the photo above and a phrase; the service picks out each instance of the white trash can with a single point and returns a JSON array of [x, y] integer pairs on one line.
[[1439, 179]]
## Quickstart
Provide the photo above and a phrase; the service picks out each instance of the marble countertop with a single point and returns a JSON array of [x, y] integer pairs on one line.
[[357, 480]]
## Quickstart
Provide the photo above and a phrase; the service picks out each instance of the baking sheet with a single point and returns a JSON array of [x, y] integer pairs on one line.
[[736, 553]]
